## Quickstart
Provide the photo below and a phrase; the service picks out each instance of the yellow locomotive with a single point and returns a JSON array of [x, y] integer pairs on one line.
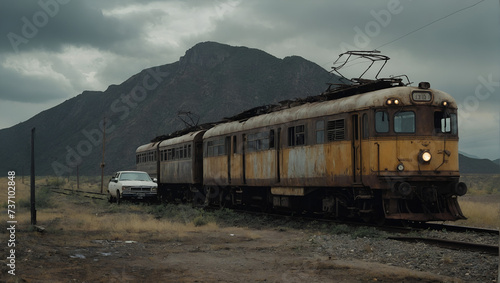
[[375, 149], [390, 153]]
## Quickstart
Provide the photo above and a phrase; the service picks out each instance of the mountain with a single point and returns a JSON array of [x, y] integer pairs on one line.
[[468, 155], [477, 166], [211, 80], [497, 161]]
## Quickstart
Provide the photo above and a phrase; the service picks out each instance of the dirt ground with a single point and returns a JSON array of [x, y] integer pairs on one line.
[[220, 255], [94, 241]]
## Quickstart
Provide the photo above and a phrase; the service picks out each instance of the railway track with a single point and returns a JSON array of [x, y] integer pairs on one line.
[[87, 194], [401, 229], [457, 245], [455, 228], [404, 229]]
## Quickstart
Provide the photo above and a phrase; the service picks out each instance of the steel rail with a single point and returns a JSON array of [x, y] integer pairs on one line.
[[457, 245]]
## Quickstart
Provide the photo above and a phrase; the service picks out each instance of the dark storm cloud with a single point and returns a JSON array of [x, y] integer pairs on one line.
[[31, 89], [90, 44], [51, 24]]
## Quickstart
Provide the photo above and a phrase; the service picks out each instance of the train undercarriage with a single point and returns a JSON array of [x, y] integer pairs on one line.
[[418, 203]]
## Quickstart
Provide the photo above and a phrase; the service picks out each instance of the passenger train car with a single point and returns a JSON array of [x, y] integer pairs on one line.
[[387, 151]]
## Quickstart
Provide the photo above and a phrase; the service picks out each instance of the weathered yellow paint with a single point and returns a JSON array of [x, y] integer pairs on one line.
[[215, 170], [405, 150], [261, 165]]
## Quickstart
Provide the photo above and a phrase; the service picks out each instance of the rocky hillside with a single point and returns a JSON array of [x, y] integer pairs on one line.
[[212, 80]]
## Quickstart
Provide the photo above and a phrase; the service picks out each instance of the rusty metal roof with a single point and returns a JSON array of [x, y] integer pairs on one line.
[[182, 139], [362, 101], [146, 147]]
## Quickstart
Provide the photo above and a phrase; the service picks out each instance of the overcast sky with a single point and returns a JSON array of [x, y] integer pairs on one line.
[[52, 50]]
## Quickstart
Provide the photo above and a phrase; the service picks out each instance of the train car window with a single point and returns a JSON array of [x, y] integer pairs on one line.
[[381, 122], [259, 141], [366, 129], [216, 147], [189, 151], [296, 135], [291, 136], [300, 135], [404, 122], [234, 144], [320, 132], [335, 130]]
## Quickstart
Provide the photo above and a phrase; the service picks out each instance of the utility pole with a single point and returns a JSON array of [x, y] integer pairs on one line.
[[32, 177], [103, 148], [77, 179]]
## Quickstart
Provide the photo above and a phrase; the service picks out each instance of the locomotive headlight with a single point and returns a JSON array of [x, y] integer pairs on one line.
[[424, 156], [396, 101]]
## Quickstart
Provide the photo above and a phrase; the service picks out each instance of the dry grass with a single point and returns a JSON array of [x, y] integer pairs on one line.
[[71, 214], [128, 220], [480, 213]]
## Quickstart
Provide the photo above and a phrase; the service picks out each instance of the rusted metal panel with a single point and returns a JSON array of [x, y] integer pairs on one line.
[[288, 191], [182, 171], [260, 168], [215, 171], [323, 165], [177, 172]]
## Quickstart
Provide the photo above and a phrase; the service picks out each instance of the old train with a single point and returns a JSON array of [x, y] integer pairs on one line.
[[378, 150]]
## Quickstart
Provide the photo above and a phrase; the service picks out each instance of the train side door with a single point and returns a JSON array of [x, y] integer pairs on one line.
[[229, 152], [243, 161], [278, 149], [356, 149]]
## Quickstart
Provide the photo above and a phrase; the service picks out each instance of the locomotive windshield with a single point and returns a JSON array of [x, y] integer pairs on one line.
[[404, 122]]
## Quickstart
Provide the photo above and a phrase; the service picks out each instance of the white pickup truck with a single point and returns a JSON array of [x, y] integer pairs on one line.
[[131, 185]]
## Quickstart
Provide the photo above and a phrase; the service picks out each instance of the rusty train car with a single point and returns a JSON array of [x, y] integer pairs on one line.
[[380, 151]]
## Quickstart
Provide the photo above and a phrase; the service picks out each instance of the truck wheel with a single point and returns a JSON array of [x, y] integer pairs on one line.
[[110, 197], [118, 197]]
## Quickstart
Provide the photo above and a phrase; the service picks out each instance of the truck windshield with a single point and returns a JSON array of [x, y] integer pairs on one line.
[[134, 176]]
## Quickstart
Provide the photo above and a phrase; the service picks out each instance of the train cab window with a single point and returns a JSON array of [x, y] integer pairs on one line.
[[445, 123], [320, 132], [296, 135], [381, 122], [404, 122]]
